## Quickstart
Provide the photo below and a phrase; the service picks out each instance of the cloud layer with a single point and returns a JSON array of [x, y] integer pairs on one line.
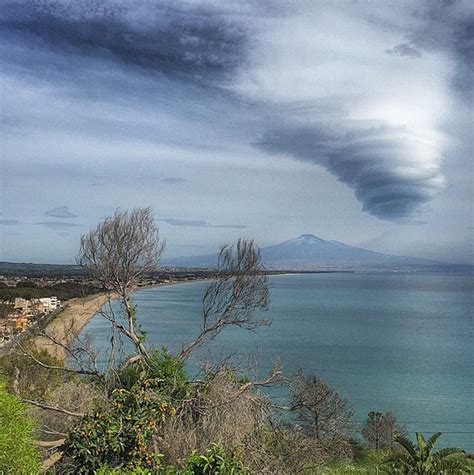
[[9, 222], [193, 223], [58, 224], [60, 212], [349, 88]]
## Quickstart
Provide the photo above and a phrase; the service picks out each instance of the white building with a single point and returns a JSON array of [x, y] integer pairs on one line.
[[35, 306]]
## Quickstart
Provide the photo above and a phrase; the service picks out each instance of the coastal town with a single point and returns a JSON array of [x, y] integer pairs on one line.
[[24, 313], [30, 297]]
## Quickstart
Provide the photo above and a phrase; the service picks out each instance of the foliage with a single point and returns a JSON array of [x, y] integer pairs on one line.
[[17, 454], [368, 461], [104, 470], [73, 396], [214, 460], [283, 448], [165, 368], [118, 434], [380, 429], [421, 459], [28, 379]]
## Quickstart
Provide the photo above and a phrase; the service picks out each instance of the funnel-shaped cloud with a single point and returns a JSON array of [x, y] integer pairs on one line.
[[392, 172]]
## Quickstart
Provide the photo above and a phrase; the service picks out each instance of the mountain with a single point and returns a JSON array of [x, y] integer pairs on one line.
[[309, 252]]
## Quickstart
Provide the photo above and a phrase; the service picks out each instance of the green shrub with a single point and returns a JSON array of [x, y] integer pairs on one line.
[[165, 368], [117, 434], [215, 460], [422, 459], [17, 454]]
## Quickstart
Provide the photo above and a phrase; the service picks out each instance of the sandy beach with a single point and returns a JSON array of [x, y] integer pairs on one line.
[[69, 323], [75, 315]]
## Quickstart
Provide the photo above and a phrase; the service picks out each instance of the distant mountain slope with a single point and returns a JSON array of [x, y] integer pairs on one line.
[[309, 252]]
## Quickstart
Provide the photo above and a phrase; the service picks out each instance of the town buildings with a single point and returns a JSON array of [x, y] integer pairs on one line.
[[24, 313]]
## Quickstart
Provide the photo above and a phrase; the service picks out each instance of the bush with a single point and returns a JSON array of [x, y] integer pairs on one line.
[[166, 369], [214, 411], [214, 460], [118, 433], [17, 454]]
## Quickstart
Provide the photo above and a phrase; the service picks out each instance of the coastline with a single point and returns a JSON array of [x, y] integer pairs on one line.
[[67, 325]]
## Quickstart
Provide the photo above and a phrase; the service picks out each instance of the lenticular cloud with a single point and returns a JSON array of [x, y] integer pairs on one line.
[[392, 171]]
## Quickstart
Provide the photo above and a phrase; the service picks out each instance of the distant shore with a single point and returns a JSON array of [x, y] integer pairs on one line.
[[77, 312]]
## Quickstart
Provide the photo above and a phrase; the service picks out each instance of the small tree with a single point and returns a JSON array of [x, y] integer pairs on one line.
[[381, 429], [120, 251], [323, 414]]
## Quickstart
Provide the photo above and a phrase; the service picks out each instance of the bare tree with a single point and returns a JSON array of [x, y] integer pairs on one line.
[[120, 251], [323, 414], [381, 429], [239, 291]]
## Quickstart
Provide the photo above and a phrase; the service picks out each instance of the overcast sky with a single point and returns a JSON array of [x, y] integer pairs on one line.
[[351, 120]]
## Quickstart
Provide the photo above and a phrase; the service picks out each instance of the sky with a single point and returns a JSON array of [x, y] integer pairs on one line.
[[350, 120]]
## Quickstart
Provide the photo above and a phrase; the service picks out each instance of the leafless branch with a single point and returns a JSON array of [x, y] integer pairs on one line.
[[240, 290], [53, 408], [49, 443], [24, 351]]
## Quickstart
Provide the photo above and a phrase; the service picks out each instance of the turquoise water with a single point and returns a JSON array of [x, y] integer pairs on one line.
[[387, 342]]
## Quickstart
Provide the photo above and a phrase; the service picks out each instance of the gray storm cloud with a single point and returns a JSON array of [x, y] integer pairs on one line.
[[178, 40], [392, 173]]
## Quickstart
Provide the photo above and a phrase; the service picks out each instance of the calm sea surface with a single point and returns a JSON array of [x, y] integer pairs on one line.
[[387, 342]]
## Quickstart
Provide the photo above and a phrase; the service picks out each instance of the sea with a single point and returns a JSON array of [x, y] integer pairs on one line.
[[385, 341]]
